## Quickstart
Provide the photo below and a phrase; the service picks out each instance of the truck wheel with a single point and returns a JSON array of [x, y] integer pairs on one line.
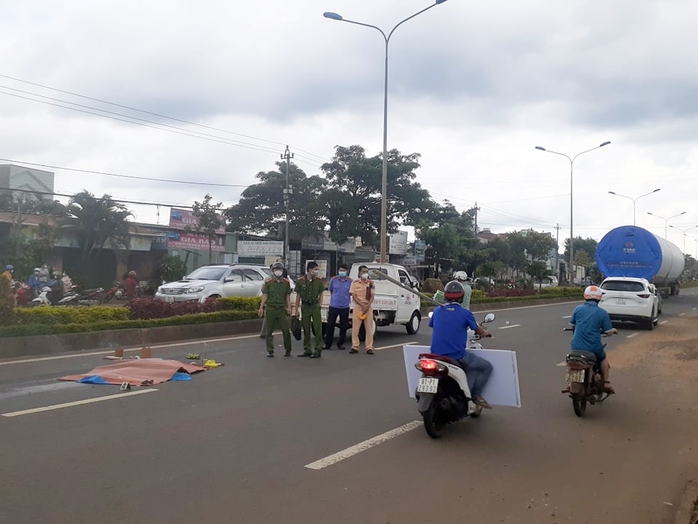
[[414, 323]]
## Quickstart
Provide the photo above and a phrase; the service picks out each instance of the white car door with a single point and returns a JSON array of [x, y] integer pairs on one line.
[[233, 284], [408, 301], [252, 285]]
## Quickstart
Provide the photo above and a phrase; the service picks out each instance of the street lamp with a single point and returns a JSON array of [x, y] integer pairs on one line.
[[634, 199], [571, 264], [666, 221], [384, 180], [684, 234]]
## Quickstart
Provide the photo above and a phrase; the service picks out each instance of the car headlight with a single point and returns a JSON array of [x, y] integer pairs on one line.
[[195, 289], [159, 290]]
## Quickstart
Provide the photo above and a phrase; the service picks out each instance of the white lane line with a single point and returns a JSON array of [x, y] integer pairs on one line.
[[664, 321], [694, 308], [363, 446], [567, 316], [393, 346], [111, 351], [681, 314], [632, 335], [76, 403], [561, 364], [509, 326]]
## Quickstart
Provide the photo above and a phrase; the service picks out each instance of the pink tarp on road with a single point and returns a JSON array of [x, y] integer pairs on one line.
[[146, 371]]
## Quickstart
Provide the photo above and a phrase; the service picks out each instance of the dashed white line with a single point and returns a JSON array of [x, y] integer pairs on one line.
[[664, 321], [561, 364], [77, 403], [362, 446], [681, 314], [567, 316], [632, 335], [509, 326]]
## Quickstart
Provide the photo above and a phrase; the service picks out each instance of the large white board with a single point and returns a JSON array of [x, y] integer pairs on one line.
[[502, 388]]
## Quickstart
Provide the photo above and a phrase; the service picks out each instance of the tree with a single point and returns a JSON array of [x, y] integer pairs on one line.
[[97, 223], [538, 271], [441, 242], [209, 221]]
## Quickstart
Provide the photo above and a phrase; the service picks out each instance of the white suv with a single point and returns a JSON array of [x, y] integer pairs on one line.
[[630, 299], [216, 281]]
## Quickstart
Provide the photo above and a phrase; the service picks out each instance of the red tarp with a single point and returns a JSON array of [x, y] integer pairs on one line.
[[146, 371]]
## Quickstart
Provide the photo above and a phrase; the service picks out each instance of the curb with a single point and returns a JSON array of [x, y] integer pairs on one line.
[[688, 507]]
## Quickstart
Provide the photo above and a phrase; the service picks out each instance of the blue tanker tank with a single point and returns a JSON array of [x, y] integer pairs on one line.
[[631, 251]]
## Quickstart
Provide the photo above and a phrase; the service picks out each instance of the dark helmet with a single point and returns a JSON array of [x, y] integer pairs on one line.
[[277, 265], [454, 292]]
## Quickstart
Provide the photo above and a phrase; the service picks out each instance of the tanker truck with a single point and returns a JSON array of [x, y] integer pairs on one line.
[[631, 251]]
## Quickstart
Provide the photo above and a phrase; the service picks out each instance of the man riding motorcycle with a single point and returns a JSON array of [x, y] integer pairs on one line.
[[450, 323], [589, 321]]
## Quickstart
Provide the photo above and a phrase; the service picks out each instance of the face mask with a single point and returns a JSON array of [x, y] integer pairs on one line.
[[278, 273], [314, 273], [364, 276], [342, 273]]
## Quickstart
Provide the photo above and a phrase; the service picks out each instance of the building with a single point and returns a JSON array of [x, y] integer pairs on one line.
[[24, 181]]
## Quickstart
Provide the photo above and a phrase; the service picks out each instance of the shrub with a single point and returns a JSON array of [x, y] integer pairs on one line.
[[241, 303], [7, 303], [431, 286], [149, 308], [515, 292], [51, 315]]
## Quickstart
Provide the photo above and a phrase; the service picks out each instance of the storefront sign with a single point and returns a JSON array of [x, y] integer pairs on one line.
[[261, 248]]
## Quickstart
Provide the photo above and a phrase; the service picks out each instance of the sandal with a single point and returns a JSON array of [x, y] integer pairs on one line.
[[369, 352], [608, 388]]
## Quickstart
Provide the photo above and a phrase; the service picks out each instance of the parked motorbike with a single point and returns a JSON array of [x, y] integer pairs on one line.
[[585, 384], [443, 395], [43, 299], [117, 291], [88, 297], [23, 293]]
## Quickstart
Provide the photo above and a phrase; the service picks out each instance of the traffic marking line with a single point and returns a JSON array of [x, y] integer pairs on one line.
[[76, 403], [664, 321], [567, 316], [509, 326], [632, 335], [362, 446], [681, 314], [393, 346]]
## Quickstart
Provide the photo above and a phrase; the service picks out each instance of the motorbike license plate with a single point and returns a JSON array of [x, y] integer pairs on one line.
[[428, 385], [576, 375]]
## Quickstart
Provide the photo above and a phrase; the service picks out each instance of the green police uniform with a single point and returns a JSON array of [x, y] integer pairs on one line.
[[276, 315], [310, 293]]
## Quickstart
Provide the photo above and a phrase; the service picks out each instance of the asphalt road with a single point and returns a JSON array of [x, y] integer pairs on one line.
[[232, 445]]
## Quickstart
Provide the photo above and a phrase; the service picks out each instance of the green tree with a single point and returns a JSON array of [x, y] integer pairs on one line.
[[442, 242], [97, 223], [209, 221], [171, 268], [538, 271]]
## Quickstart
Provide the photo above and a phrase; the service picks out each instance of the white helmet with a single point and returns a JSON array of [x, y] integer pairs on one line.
[[461, 276], [593, 293]]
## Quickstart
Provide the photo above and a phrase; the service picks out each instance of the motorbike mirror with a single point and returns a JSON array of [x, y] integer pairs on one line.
[[489, 317], [431, 314]]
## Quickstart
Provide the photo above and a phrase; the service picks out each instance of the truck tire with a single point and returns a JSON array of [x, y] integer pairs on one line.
[[414, 323]]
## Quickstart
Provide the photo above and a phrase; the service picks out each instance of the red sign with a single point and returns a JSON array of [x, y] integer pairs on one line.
[[177, 240]]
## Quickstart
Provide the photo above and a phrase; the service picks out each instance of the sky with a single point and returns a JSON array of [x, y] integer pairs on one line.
[[213, 92]]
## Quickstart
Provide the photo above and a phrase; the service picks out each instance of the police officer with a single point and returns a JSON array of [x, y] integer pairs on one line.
[[276, 297], [309, 290]]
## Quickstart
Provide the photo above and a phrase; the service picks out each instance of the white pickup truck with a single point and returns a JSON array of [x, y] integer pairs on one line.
[[392, 304]]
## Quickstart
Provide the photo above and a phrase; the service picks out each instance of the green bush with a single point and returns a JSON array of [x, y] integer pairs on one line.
[[7, 303], [240, 303], [52, 315], [431, 286]]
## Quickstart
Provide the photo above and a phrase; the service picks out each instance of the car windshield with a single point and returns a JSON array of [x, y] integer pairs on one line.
[[206, 273], [622, 285]]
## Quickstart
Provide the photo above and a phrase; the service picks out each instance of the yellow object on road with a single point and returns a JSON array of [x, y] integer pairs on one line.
[[210, 363]]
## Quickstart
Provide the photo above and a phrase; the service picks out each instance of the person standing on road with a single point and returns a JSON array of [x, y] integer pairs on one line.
[[363, 291], [263, 329], [276, 300], [339, 307], [309, 289]]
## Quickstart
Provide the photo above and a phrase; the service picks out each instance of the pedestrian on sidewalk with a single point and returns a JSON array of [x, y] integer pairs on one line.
[[276, 308], [339, 307], [309, 289], [363, 291]]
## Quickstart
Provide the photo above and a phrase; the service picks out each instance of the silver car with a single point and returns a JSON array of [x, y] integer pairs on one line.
[[238, 280]]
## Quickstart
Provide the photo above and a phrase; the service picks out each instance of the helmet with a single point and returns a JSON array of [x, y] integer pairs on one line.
[[9, 267], [37, 270], [593, 293], [461, 276], [277, 265], [454, 292], [132, 274]]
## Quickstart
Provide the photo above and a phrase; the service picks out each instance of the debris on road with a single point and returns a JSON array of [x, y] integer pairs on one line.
[[137, 372]]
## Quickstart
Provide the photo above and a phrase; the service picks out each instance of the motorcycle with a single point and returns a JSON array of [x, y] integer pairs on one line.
[[585, 384], [117, 291], [43, 299], [443, 394], [23, 293], [88, 297]]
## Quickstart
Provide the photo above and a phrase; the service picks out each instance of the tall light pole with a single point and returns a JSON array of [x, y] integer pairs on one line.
[[384, 179], [634, 199], [571, 159], [666, 221], [288, 191], [684, 234]]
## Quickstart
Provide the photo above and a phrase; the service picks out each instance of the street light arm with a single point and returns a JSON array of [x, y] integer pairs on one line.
[[592, 149], [411, 17]]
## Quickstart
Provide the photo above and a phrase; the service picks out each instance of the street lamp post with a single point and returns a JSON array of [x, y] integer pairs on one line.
[[666, 221], [684, 234], [634, 199], [384, 178], [571, 159]]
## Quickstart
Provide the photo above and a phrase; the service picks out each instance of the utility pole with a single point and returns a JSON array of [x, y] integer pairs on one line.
[[476, 210], [557, 254], [287, 197]]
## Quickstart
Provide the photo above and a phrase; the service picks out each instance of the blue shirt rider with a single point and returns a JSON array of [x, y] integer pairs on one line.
[[450, 323], [589, 321]]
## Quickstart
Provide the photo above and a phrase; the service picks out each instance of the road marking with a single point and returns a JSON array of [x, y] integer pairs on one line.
[[694, 308], [111, 351], [664, 321], [363, 446], [561, 364], [393, 346], [76, 403], [509, 326], [681, 314], [567, 316], [632, 335]]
